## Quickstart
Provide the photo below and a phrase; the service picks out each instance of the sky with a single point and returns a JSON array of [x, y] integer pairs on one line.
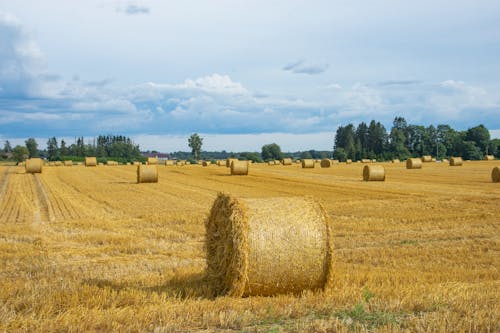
[[244, 73]]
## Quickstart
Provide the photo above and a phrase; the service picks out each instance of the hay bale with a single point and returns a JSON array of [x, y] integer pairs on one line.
[[270, 163], [414, 163], [349, 161], [147, 173], [445, 160], [298, 161], [373, 173], [286, 161], [152, 161], [277, 162], [169, 162], [137, 163], [90, 161], [33, 165], [489, 157], [366, 160], [267, 246], [180, 162], [52, 163], [396, 160], [326, 163], [307, 163], [68, 163], [456, 161], [58, 163], [229, 161], [426, 158], [433, 159], [112, 163], [239, 168], [374, 161], [335, 161], [205, 163], [495, 175]]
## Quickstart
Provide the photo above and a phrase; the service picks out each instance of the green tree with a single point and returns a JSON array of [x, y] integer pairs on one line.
[[195, 142], [480, 136], [471, 151], [20, 153], [32, 147], [271, 152], [7, 148], [52, 149], [345, 139], [64, 150], [305, 155]]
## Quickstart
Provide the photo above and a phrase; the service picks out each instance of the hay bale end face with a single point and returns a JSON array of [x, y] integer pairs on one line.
[[495, 175], [33, 165], [326, 163], [456, 161], [286, 161], [414, 163], [307, 163], [373, 173], [147, 174], [239, 168], [90, 161], [267, 246], [427, 158]]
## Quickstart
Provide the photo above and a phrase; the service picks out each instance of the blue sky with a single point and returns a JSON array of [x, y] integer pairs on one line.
[[244, 73]]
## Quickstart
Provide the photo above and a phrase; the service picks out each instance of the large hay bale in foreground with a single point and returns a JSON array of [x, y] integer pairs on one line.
[[489, 157], [307, 163], [414, 163], [373, 173], [33, 165], [366, 160], [239, 168], [495, 175], [267, 246], [456, 161], [326, 163], [152, 161], [68, 163], [427, 158], [286, 161], [90, 161], [147, 173]]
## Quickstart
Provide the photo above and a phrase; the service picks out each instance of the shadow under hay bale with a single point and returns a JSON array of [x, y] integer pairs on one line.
[[267, 246]]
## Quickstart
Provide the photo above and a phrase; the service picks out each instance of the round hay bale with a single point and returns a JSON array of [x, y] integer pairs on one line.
[[205, 163], [433, 159], [100, 163], [374, 161], [414, 163], [426, 158], [489, 157], [396, 160], [286, 161], [366, 160], [58, 163], [456, 161], [147, 174], [137, 163], [349, 161], [52, 163], [90, 161], [68, 163], [180, 162], [229, 160], [277, 162], [373, 173], [33, 165], [326, 163], [169, 162], [152, 161], [495, 175], [270, 163], [267, 246], [112, 163], [298, 161], [307, 163], [239, 168], [445, 160]]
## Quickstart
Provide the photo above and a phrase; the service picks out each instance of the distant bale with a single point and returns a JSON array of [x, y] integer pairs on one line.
[[58, 163], [366, 160], [426, 158], [229, 160], [307, 163], [374, 161], [112, 163], [187, 162], [79, 163], [373, 173], [396, 160], [137, 163], [169, 162], [456, 161], [267, 246], [286, 161], [349, 161], [326, 163], [221, 163], [180, 162], [100, 163], [52, 163], [270, 163], [489, 157], [298, 161], [445, 160], [433, 159], [152, 161], [68, 163], [33, 165], [495, 175], [335, 161], [277, 162], [90, 161], [205, 163], [239, 168], [414, 163], [147, 173]]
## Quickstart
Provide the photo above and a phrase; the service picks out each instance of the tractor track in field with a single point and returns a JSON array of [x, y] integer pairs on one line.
[[44, 211], [4, 182]]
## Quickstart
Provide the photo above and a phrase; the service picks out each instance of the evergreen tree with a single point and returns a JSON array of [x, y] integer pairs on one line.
[[32, 147]]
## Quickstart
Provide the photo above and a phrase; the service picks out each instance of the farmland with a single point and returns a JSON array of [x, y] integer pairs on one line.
[[88, 249]]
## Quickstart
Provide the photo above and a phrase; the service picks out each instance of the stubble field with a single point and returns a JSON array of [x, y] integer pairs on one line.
[[88, 249]]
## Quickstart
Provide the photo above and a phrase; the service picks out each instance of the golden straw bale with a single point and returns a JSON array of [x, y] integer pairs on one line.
[[52, 163], [286, 161], [277, 162], [267, 246], [374, 161], [373, 173], [169, 162], [112, 163], [205, 163], [68, 163], [433, 159], [456, 161], [489, 157], [298, 161], [495, 175], [152, 161], [180, 162], [445, 160], [414, 163], [100, 163], [348, 161], [137, 163], [128, 163], [147, 173], [33, 165], [307, 163], [366, 160], [239, 168], [270, 163], [326, 163], [335, 161], [90, 161], [229, 160], [187, 163], [396, 160], [426, 158], [58, 163]]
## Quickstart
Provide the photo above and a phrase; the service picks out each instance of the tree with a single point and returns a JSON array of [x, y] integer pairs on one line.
[[32, 147], [344, 139], [20, 153], [271, 152], [195, 142], [480, 136], [7, 148], [64, 150], [52, 149]]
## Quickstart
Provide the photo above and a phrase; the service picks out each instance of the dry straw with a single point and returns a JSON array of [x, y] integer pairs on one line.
[[52, 163], [348, 161], [373, 173], [414, 163], [286, 161], [152, 161], [366, 160], [205, 163], [147, 174], [489, 157], [33, 165], [90, 161], [456, 161], [267, 246], [307, 163], [326, 163], [426, 158], [495, 175], [68, 163], [229, 160], [239, 168]]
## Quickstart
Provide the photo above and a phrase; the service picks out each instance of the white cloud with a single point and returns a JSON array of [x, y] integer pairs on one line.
[[304, 67]]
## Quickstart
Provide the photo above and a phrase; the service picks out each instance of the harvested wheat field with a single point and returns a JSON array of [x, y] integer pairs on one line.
[[88, 249]]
